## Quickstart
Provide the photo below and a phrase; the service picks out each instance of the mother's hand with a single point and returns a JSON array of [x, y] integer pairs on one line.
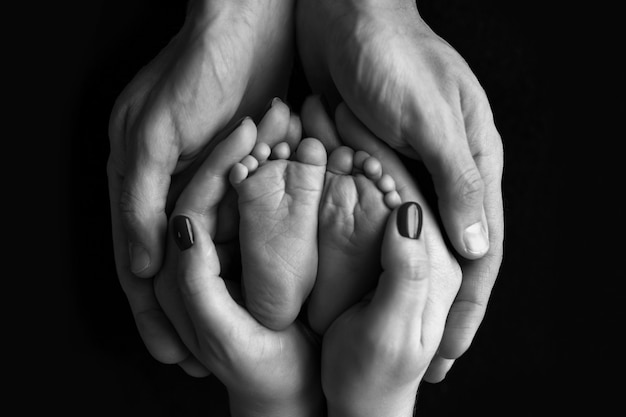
[[266, 372], [375, 354]]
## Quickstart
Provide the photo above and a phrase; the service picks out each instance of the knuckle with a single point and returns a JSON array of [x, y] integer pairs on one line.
[[412, 268], [129, 208], [397, 357], [470, 187], [128, 202], [384, 346], [417, 271]]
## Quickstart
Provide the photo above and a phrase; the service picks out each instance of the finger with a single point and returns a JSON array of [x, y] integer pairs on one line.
[[274, 126], [294, 132], [445, 271], [318, 123], [438, 369], [208, 187], [154, 328], [358, 137], [202, 197], [193, 367], [402, 290], [150, 160], [209, 304], [443, 145], [470, 304]]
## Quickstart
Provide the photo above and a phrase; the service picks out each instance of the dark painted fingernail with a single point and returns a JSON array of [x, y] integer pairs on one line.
[[183, 232], [410, 220]]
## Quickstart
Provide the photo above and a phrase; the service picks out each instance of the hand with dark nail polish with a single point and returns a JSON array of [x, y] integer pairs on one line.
[[412, 90], [183, 233], [170, 114], [375, 354], [266, 372]]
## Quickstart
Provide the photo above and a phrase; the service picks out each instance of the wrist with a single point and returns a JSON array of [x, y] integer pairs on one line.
[[206, 8], [376, 4], [309, 403], [388, 403], [262, 18]]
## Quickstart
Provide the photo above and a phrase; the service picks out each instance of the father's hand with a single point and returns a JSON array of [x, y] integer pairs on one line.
[[207, 76], [415, 92]]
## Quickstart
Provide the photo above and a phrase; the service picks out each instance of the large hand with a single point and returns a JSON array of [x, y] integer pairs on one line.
[[266, 372], [228, 60], [412, 90], [375, 354]]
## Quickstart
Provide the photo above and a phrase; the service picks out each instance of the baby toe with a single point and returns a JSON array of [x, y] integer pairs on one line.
[[341, 161], [281, 151], [311, 152]]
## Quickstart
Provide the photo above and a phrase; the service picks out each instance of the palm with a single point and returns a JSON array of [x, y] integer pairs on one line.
[[271, 364], [262, 362], [362, 353]]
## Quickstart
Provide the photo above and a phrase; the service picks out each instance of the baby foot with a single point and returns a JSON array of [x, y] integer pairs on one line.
[[278, 205], [353, 212]]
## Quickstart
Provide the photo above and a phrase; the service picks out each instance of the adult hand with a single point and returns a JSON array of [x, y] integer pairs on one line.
[[375, 354], [415, 92], [228, 60], [213, 201], [266, 372]]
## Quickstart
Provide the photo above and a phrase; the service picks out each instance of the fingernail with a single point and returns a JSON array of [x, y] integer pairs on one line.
[[183, 233], [271, 103], [476, 239], [410, 220], [139, 258]]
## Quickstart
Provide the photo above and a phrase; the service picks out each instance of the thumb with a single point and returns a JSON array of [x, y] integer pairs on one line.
[[142, 210], [207, 299], [146, 163], [460, 188], [403, 286]]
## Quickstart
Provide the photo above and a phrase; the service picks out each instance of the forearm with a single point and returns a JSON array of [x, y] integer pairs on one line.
[[306, 404]]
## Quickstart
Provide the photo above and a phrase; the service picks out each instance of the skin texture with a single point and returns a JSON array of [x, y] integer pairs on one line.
[[415, 92], [209, 194], [266, 372], [279, 198], [375, 354], [354, 208], [228, 60], [444, 270]]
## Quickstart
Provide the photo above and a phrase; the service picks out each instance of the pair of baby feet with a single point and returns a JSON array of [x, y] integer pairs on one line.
[[311, 226]]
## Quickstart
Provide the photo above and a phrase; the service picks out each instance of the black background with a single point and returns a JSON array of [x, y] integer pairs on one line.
[[509, 369]]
